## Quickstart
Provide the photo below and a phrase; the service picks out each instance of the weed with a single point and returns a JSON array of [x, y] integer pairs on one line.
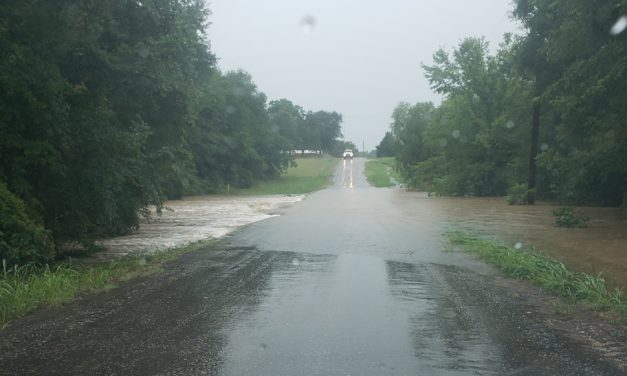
[[568, 216], [376, 174], [517, 194], [543, 271], [31, 286]]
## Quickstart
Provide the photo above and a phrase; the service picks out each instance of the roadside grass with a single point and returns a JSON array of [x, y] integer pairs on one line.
[[378, 172], [310, 174], [530, 265], [28, 287]]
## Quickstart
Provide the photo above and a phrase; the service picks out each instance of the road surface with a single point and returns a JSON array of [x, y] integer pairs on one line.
[[351, 281]]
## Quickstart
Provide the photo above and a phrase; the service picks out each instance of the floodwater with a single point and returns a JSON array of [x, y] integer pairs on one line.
[[195, 218], [353, 280], [599, 248]]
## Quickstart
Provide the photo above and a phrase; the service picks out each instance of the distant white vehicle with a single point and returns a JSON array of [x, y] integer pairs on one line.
[[348, 154]]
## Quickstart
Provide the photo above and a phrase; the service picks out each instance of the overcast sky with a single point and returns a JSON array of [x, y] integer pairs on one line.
[[359, 58]]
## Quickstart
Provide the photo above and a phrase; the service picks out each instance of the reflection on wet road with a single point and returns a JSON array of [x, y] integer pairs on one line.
[[347, 173], [351, 281]]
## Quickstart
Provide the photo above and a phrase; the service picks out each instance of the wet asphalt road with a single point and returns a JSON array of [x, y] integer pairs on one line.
[[351, 281]]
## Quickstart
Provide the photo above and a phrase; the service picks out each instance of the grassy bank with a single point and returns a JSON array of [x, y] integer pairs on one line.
[[25, 288], [310, 174], [547, 273], [378, 172]]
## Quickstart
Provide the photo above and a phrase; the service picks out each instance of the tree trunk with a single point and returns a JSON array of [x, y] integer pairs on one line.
[[533, 153]]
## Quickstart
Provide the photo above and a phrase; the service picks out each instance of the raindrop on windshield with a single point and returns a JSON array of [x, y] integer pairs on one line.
[[295, 262], [143, 52], [509, 125], [619, 26], [544, 147], [307, 24], [443, 142], [456, 134], [518, 245]]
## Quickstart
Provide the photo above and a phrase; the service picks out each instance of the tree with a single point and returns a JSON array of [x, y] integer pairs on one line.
[[387, 146]]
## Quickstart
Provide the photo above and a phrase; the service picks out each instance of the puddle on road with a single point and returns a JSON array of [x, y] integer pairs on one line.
[[193, 219], [354, 314], [601, 247]]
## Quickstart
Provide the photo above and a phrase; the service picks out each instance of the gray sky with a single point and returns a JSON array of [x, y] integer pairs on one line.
[[361, 58]]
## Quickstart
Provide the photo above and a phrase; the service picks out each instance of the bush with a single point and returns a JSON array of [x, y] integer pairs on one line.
[[517, 194], [23, 238], [568, 216]]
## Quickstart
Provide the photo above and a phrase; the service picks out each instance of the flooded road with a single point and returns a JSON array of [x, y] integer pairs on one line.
[[353, 280]]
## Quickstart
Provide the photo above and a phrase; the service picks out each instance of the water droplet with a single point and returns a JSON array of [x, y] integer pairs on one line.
[[307, 24], [456, 133], [229, 109], [518, 245], [544, 147], [463, 139], [509, 125], [143, 52], [619, 26], [142, 261], [295, 262], [443, 142]]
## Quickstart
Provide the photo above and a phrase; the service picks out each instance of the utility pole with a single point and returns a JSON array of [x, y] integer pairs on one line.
[[363, 149]]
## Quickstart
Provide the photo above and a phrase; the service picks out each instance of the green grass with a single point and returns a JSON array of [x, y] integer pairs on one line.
[[310, 174], [530, 265], [378, 172], [26, 288]]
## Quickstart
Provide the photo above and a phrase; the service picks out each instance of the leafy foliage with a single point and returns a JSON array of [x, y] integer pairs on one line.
[[111, 106], [547, 108], [568, 216], [22, 236], [517, 194]]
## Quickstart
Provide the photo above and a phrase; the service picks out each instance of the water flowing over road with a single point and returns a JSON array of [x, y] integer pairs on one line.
[[353, 280]]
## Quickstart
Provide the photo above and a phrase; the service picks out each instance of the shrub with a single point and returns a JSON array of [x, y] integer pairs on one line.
[[517, 194], [568, 216], [23, 238]]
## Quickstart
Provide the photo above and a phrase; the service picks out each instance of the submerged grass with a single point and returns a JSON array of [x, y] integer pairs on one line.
[[309, 174], [28, 287], [378, 172], [543, 271]]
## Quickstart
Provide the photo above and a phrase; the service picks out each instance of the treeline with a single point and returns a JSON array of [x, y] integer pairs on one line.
[[108, 107], [544, 117]]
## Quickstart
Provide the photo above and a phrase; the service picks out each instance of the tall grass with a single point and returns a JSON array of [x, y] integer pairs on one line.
[[376, 175], [28, 287], [543, 271]]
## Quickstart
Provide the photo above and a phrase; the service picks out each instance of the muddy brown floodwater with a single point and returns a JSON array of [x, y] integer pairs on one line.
[[599, 248], [195, 218]]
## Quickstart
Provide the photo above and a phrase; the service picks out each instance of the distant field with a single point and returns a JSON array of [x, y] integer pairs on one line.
[[378, 172], [310, 174]]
